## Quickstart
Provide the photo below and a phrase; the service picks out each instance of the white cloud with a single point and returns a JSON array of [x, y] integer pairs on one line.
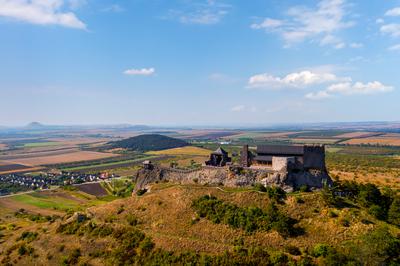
[[113, 8], [292, 80], [392, 29], [75, 4], [393, 12], [41, 12], [204, 12], [238, 108], [319, 95], [394, 47], [379, 21], [356, 45], [319, 23], [244, 108], [348, 88], [268, 23], [140, 72]]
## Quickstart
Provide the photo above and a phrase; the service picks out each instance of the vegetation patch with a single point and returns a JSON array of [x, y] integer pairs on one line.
[[149, 142], [249, 219]]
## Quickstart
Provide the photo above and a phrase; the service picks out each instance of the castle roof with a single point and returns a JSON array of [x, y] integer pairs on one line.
[[280, 149], [220, 151]]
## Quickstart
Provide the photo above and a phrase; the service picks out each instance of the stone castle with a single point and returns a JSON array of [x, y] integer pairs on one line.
[[289, 167]]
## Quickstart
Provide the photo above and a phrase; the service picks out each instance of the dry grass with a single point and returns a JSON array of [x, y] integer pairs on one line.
[[63, 158], [382, 179], [357, 134], [314, 141], [166, 216], [188, 150], [387, 139], [263, 135]]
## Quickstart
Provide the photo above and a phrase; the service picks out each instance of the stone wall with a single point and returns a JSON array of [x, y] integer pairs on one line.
[[232, 177], [314, 157]]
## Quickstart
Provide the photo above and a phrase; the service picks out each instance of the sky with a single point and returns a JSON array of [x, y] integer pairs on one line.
[[199, 62]]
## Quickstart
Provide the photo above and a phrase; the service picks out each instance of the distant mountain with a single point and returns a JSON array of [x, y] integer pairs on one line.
[[149, 142], [35, 125]]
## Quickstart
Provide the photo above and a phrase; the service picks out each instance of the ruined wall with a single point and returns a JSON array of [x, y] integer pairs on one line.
[[314, 157]]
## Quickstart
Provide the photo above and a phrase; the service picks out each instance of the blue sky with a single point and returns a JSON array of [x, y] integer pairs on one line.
[[188, 62]]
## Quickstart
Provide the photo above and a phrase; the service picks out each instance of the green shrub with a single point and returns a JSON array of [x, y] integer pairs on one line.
[[279, 258], [304, 188], [140, 192], [72, 258], [377, 211], [394, 212], [249, 219], [28, 236], [259, 187], [320, 250], [131, 219], [332, 214], [276, 193], [293, 250]]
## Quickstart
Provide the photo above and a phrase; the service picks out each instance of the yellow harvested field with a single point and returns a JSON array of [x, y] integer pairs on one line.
[[262, 135], [357, 134], [188, 150], [63, 158], [25, 170], [383, 140], [314, 141]]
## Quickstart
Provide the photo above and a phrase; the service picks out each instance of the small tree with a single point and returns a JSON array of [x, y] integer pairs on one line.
[[394, 212]]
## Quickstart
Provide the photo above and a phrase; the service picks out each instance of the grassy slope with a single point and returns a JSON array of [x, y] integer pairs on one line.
[[165, 214]]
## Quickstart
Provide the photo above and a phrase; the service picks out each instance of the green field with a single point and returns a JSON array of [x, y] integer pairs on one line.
[[40, 144], [46, 202], [111, 164]]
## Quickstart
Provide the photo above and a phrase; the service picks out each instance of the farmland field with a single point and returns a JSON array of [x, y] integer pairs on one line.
[[188, 150], [387, 139], [42, 144], [9, 167], [64, 158], [94, 189], [104, 166]]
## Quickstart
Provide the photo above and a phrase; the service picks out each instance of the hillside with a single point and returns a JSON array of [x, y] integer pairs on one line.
[[164, 227], [149, 142]]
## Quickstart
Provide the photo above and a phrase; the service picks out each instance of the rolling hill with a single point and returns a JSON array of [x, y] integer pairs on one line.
[[149, 142]]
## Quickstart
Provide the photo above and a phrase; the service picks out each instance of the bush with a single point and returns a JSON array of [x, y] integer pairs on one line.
[[140, 192], [276, 193], [320, 250], [304, 188], [259, 187], [279, 258], [394, 212], [131, 219], [293, 250], [72, 258], [377, 211], [250, 218], [28, 236]]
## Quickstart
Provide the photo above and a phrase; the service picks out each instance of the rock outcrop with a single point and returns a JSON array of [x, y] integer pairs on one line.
[[234, 177]]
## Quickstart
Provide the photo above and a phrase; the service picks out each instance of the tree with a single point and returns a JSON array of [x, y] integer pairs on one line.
[[394, 212]]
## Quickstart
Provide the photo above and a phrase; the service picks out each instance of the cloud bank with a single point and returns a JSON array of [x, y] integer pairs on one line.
[[40, 12]]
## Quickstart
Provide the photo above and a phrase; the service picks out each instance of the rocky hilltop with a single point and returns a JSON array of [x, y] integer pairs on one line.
[[234, 176]]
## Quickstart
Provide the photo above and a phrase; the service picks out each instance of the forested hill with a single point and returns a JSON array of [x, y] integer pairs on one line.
[[149, 142]]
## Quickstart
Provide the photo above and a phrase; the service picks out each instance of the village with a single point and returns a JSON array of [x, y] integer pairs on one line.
[[12, 183]]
